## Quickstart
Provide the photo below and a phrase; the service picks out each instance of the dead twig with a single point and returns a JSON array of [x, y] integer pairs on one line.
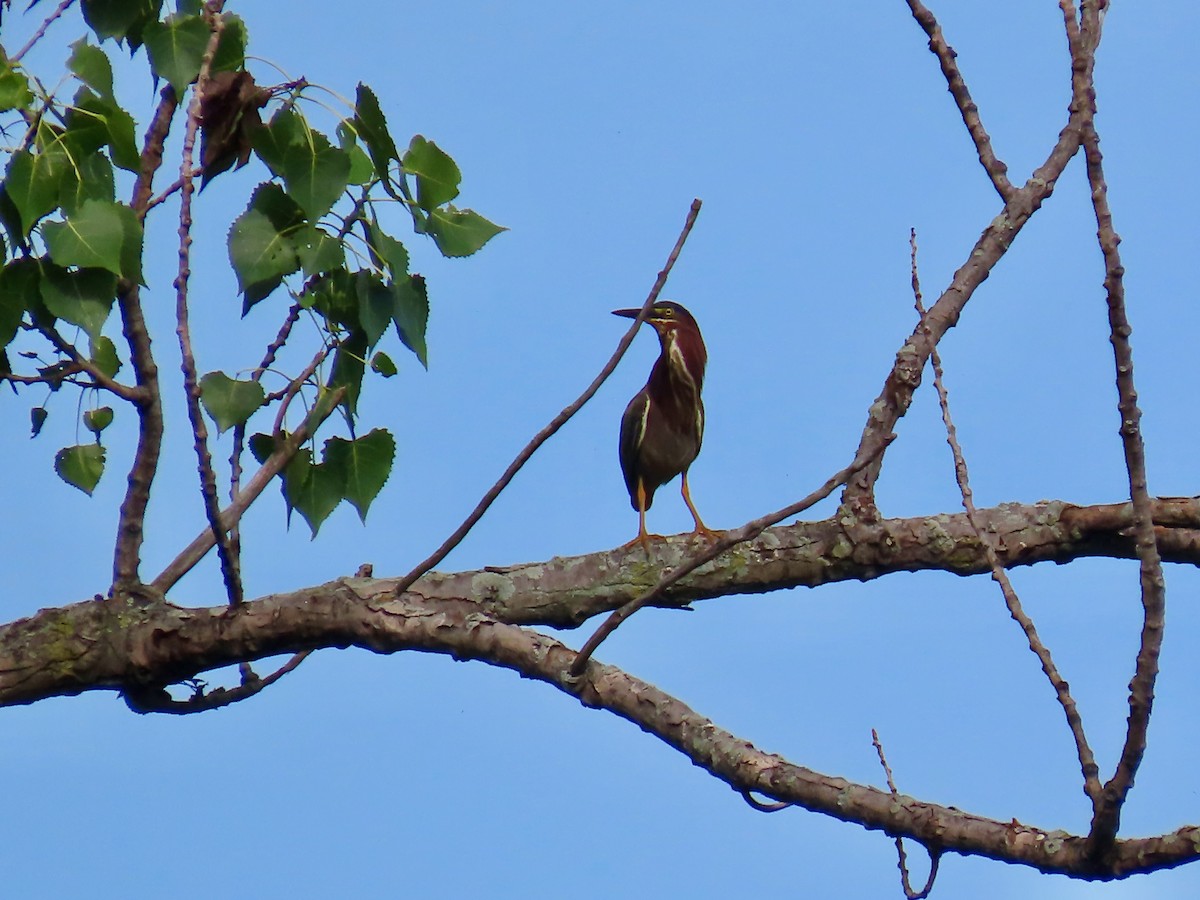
[[559, 420], [1087, 760]]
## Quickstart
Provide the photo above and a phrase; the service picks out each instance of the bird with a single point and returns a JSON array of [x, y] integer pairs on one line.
[[663, 425]]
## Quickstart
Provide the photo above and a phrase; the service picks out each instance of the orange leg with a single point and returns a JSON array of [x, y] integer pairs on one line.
[[700, 528], [643, 536]]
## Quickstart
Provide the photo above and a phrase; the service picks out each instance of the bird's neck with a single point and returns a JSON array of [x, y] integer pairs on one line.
[[676, 368]]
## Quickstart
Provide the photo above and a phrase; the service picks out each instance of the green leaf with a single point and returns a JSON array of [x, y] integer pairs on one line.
[[335, 296], [317, 494], [96, 420], [411, 314], [94, 121], [387, 253], [261, 248], [104, 357], [271, 142], [32, 182], [319, 251], [366, 462], [83, 297], [80, 466], [121, 19], [176, 47], [93, 235], [231, 48], [349, 365], [14, 86], [131, 244], [373, 130], [18, 292], [315, 173], [261, 446], [460, 232], [91, 66], [37, 418], [228, 401], [382, 363], [375, 305], [92, 180], [361, 167], [437, 174]]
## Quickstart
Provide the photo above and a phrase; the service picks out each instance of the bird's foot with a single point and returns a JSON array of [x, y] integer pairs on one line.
[[644, 539]]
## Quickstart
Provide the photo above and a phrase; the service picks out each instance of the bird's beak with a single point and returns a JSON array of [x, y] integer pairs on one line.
[[627, 313]]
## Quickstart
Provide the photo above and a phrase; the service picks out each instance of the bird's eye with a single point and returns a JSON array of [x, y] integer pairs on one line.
[[665, 312]]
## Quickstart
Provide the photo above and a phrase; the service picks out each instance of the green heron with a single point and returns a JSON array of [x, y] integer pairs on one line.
[[664, 424]]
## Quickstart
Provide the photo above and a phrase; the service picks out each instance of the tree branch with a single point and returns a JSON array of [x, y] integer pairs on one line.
[[563, 417], [858, 500], [131, 526], [1062, 690], [133, 644], [1106, 821], [230, 569], [997, 171]]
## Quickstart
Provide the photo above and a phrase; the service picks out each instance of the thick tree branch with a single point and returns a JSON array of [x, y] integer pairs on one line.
[[132, 644]]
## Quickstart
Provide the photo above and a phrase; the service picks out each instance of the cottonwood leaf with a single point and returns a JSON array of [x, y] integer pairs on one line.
[[366, 462], [230, 402], [460, 232], [80, 466], [437, 174]]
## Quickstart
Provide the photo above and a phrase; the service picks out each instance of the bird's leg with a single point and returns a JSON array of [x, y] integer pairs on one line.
[[700, 528], [643, 536]]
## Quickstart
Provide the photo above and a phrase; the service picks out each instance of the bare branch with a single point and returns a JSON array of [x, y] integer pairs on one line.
[[157, 699], [934, 857], [726, 541], [100, 379], [1062, 690], [41, 31], [1106, 820], [563, 417], [997, 171], [169, 643], [232, 514], [858, 500], [230, 569], [131, 527]]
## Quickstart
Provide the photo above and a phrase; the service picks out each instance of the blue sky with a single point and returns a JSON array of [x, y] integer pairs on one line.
[[817, 135]]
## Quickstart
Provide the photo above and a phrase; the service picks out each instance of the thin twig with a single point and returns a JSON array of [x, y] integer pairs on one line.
[[41, 32], [997, 171], [1062, 690], [1106, 820], [62, 345], [559, 420], [935, 857], [232, 514], [159, 701], [239, 431], [230, 569], [728, 539], [755, 803]]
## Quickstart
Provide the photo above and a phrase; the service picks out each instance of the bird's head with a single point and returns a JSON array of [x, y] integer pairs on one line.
[[676, 328], [665, 316]]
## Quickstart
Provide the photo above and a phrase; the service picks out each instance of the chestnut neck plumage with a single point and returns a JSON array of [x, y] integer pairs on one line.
[[679, 369]]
